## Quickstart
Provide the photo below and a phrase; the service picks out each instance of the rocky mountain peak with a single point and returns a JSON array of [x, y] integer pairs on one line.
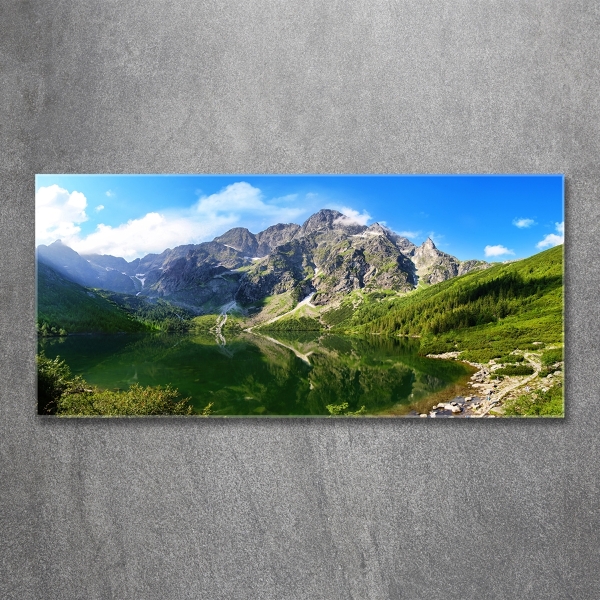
[[324, 219], [433, 265], [240, 239], [377, 229], [58, 251], [329, 220], [72, 266], [274, 236]]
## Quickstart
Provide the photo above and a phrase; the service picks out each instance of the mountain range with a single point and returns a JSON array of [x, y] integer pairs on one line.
[[327, 257]]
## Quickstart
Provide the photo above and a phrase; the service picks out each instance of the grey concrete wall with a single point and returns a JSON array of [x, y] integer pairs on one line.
[[156, 509]]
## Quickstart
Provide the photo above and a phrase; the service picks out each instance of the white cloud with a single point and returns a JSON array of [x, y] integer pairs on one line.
[[409, 234], [237, 204], [552, 239], [100, 207], [110, 193], [523, 223], [243, 199], [237, 196], [353, 217], [154, 232], [498, 250], [58, 213]]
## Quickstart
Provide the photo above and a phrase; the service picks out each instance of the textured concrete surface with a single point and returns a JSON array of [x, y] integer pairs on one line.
[[159, 509]]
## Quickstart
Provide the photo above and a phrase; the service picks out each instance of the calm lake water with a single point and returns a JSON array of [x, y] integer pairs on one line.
[[254, 375]]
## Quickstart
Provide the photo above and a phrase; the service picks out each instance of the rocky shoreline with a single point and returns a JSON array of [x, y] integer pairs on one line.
[[490, 392]]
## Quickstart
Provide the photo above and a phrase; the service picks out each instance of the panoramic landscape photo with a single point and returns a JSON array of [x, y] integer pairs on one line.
[[300, 295]]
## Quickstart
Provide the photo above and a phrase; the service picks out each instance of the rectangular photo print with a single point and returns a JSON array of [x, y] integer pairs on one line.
[[355, 296]]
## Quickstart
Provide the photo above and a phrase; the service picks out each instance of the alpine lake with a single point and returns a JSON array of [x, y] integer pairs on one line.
[[270, 375]]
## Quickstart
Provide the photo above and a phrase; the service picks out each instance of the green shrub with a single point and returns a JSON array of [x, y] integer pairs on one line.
[[537, 404], [511, 358], [45, 329], [62, 394], [552, 356], [431, 345], [337, 409], [341, 410], [530, 346], [54, 379], [137, 400], [545, 371], [482, 355], [515, 370]]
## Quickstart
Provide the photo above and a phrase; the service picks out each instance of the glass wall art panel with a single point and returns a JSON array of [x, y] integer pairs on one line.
[[330, 296]]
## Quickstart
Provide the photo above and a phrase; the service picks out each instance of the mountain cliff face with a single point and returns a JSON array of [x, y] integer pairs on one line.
[[328, 256]]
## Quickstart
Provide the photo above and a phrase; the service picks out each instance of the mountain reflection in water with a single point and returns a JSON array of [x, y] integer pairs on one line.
[[254, 375]]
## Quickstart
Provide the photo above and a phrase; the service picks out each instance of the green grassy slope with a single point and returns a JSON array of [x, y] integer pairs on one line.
[[65, 305], [486, 313], [292, 323]]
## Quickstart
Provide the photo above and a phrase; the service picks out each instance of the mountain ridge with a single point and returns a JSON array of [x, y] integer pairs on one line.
[[328, 256]]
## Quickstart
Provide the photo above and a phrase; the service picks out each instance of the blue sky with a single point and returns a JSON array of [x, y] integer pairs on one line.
[[494, 218]]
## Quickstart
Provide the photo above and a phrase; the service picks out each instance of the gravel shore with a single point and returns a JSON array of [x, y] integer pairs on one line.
[[490, 392]]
